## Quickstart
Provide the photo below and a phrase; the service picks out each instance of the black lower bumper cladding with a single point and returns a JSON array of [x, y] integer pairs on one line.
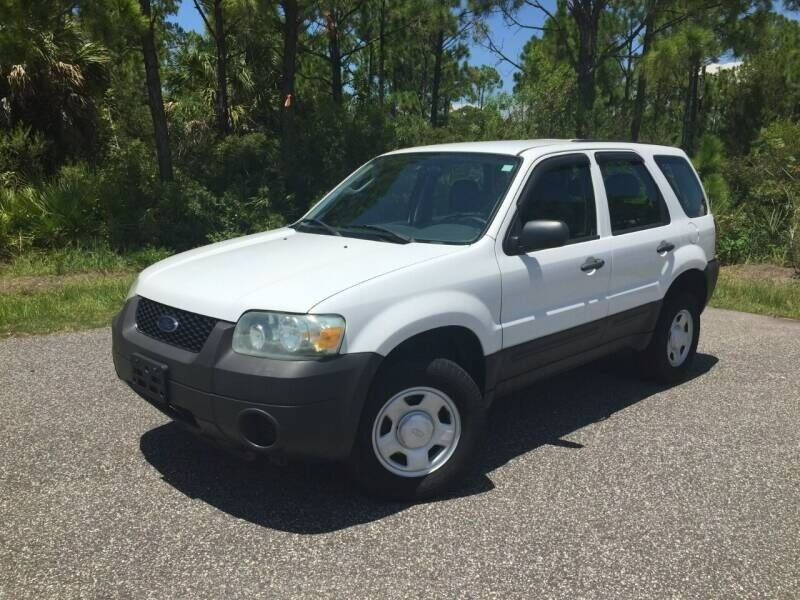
[[711, 274], [259, 405]]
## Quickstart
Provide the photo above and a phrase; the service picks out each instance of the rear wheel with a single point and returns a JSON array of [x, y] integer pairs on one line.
[[418, 431], [673, 346]]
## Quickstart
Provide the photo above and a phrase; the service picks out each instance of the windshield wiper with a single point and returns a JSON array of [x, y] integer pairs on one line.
[[385, 232], [320, 224]]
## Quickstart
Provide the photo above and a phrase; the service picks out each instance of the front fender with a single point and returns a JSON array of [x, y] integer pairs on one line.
[[396, 323]]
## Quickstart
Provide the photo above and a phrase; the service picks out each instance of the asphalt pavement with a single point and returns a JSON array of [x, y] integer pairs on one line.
[[593, 484]]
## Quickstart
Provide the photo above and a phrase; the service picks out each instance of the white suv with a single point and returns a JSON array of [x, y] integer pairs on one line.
[[378, 328]]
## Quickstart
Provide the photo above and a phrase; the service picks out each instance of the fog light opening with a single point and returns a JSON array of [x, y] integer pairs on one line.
[[257, 428]]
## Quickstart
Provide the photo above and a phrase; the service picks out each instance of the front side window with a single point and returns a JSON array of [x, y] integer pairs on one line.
[[684, 183], [424, 197], [563, 191], [634, 201]]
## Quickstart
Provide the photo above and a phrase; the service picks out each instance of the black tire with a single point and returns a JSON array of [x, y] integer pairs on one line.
[[440, 374], [655, 359]]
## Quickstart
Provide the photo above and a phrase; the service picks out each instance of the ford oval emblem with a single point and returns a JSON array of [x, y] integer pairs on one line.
[[167, 323]]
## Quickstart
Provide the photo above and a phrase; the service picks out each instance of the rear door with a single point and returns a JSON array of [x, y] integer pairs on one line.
[[685, 184], [553, 304], [644, 236]]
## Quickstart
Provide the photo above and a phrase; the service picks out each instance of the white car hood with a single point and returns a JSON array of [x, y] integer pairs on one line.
[[282, 270]]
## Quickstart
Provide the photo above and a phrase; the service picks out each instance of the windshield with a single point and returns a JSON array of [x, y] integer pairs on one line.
[[426, 197]]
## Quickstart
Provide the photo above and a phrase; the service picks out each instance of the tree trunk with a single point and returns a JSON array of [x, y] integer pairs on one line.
[[367, 20], [335, 57], [586, 18], [690, 107], [154, 98], [291, 14], [370, 74], [223, 120], [382, 55], [628, 76], [641, 84], [437, 77]]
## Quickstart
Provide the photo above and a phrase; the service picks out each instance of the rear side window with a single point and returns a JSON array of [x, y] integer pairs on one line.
[[634, 201], [684, 183], [562, 191]]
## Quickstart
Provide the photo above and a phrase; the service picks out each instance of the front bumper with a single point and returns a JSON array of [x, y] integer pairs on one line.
[[291, 408]]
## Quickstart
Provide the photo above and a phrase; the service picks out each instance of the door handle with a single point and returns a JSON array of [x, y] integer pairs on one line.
[[665, 247], [592, 264]]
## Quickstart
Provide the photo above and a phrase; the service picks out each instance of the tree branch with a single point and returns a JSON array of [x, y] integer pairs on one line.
[[205, 20], [493, 48], [558, 27]]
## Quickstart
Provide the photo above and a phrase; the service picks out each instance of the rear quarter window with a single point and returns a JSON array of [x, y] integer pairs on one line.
[[684, 183]]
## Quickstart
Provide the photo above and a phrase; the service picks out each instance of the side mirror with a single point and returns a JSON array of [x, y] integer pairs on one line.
[[538, 235]]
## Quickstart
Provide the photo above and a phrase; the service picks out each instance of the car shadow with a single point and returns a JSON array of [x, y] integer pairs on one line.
[[312, 498]]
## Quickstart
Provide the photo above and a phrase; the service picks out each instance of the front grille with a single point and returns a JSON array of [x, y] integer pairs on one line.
[[192, 331]]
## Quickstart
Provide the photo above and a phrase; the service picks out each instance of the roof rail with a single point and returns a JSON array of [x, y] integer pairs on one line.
[[604, 141]]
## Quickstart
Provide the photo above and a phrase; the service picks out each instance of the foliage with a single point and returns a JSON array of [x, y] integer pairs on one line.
[[54, 76], [766, 201], [78, 166], [22, 154]]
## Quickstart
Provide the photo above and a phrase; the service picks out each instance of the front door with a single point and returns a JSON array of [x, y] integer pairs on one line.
[[554, 300]]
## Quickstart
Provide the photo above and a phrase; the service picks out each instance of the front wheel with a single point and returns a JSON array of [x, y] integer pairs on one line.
[[418, 431], [673, 346]]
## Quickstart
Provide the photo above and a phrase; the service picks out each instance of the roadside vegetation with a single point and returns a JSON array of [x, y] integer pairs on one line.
[[758, 292], [64, 306], [124, 138], [97, 259], [68, 288]]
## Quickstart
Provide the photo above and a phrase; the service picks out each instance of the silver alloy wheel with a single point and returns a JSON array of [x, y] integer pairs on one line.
[[416, 431], [679, 341]]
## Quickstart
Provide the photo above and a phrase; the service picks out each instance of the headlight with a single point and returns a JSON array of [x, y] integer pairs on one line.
[[287, 336]]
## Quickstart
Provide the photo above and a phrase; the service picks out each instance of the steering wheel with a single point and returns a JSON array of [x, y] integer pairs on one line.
[[464, 218]]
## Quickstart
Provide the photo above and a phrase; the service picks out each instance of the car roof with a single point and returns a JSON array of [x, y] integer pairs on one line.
[[536, 147], [494, 147]]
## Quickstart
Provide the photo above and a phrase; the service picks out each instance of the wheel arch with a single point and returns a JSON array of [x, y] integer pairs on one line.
[[454, 342], [691, 280]]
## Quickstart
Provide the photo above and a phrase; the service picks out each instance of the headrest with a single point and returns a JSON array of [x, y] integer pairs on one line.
[[465, 195], [574, 187], [623, 185]]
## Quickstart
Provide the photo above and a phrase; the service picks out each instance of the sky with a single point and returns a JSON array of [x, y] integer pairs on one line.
[[510, 39]]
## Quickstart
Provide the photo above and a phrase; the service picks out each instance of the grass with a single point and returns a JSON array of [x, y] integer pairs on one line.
[[67, 289], [775, 299], [67, 261], [72, 306]]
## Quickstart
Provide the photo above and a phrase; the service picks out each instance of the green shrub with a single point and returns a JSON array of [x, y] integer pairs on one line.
[[130, 194], [185, 214], [21, 215], [242, 164], [65, 210], [22, 154], [762, 213], [73, 208]]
